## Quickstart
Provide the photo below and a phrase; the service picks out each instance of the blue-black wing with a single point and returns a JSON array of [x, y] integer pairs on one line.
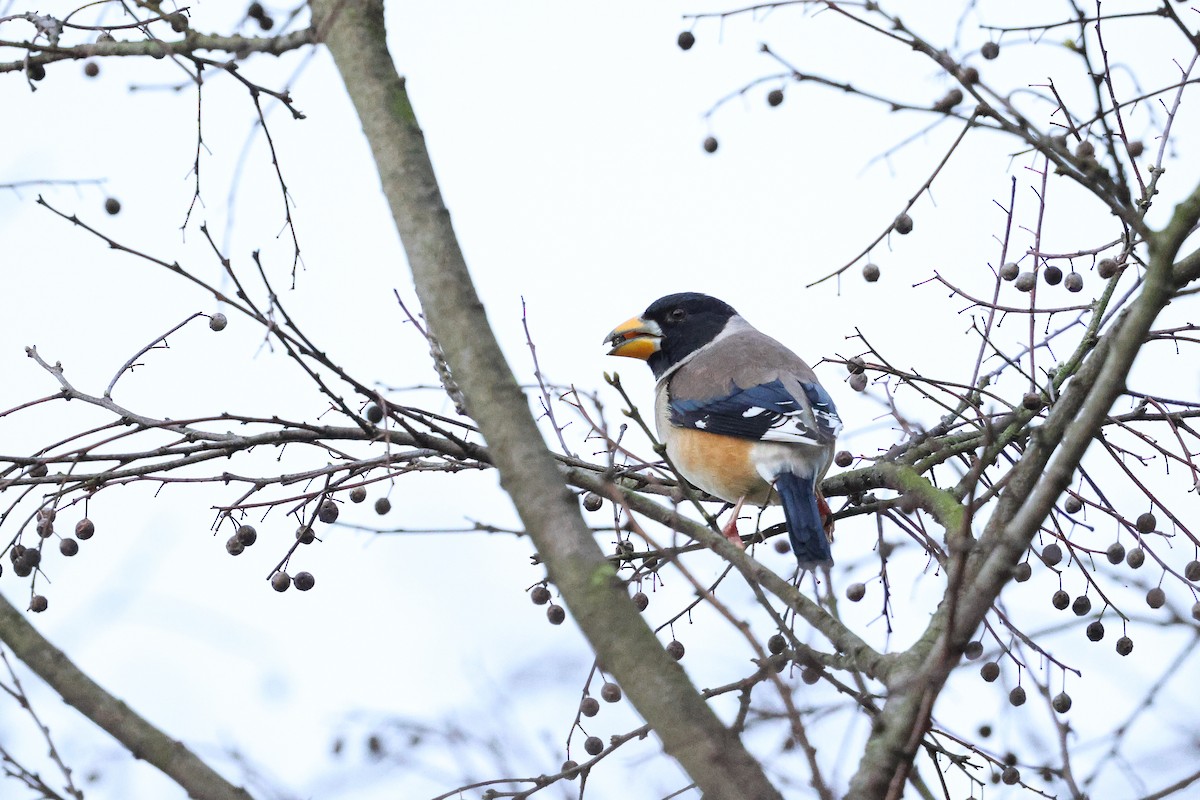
[[766, 412]]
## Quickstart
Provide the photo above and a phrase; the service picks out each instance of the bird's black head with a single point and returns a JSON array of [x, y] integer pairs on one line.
[[689, 321]]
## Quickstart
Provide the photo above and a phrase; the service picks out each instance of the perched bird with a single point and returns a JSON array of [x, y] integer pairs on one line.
[[742, 416]]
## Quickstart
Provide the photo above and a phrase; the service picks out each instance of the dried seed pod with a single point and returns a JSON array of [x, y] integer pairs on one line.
[[328, 511], [304, 581], [1073, 282], [870, 273], [711, 144], [540, 595], [990, 50], [686, 40]]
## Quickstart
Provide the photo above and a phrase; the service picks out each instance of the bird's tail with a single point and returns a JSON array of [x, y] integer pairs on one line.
[[805, 528]]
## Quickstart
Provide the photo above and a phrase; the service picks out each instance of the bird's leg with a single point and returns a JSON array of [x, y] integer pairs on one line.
[[730, 531], [826, 514]]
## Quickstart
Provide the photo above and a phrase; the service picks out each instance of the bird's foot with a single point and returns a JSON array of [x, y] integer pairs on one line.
[[730, 531]]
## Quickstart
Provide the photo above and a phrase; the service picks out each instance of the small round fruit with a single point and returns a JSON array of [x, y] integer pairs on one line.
[[1106, 268], [1192, 571], [570, 768], [1156, 597], [589, 706], [1085, 149], [973, 650], [855, 592], [710, 144], [641, 601], [858, 382], [776, 644], [1010, 776], [45, 528], [178, 22], [1082, 605], [989, 671], [35, 71], [843, 458], [1135, 557], [32, 557], [1124, 646], [610, 692], [855, 365], [592, 501], [1025, 282], [374, 414], [1052, 555], [1072, 505], [1060, 600], [1052, 275], [1061, 702], [218, 322], [358, 494], [686, 40], [1032, 401], [1022, 572], [1073, 282], [304, 581], [1196, 610], [903, 224], [92, 69], [39, 471], [593, 745], [113, 206], [774, 97], [782, 546], [1136, 149], [68, 547], [383, 506], [810, 675], [1146, 523], [234, 546], [1017, 696], [305, 535], [675, 649], [281, 581], [990, 50], [38, 603], [1010, 271], [555, 614], [1115, 553], [540, 595], [1095, 631], [328, 511], [870, 273], [247, 535]]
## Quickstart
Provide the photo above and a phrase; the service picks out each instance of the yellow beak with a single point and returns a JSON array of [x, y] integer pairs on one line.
[[635, 338]]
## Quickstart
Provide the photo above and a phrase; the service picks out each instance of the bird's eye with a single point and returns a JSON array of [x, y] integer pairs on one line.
[[676, 314]]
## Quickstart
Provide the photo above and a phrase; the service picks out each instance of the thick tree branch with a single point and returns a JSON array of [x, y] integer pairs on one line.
[[659, 689], [140, 737]]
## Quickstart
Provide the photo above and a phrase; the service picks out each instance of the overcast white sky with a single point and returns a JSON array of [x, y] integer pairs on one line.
[[567, 142]]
